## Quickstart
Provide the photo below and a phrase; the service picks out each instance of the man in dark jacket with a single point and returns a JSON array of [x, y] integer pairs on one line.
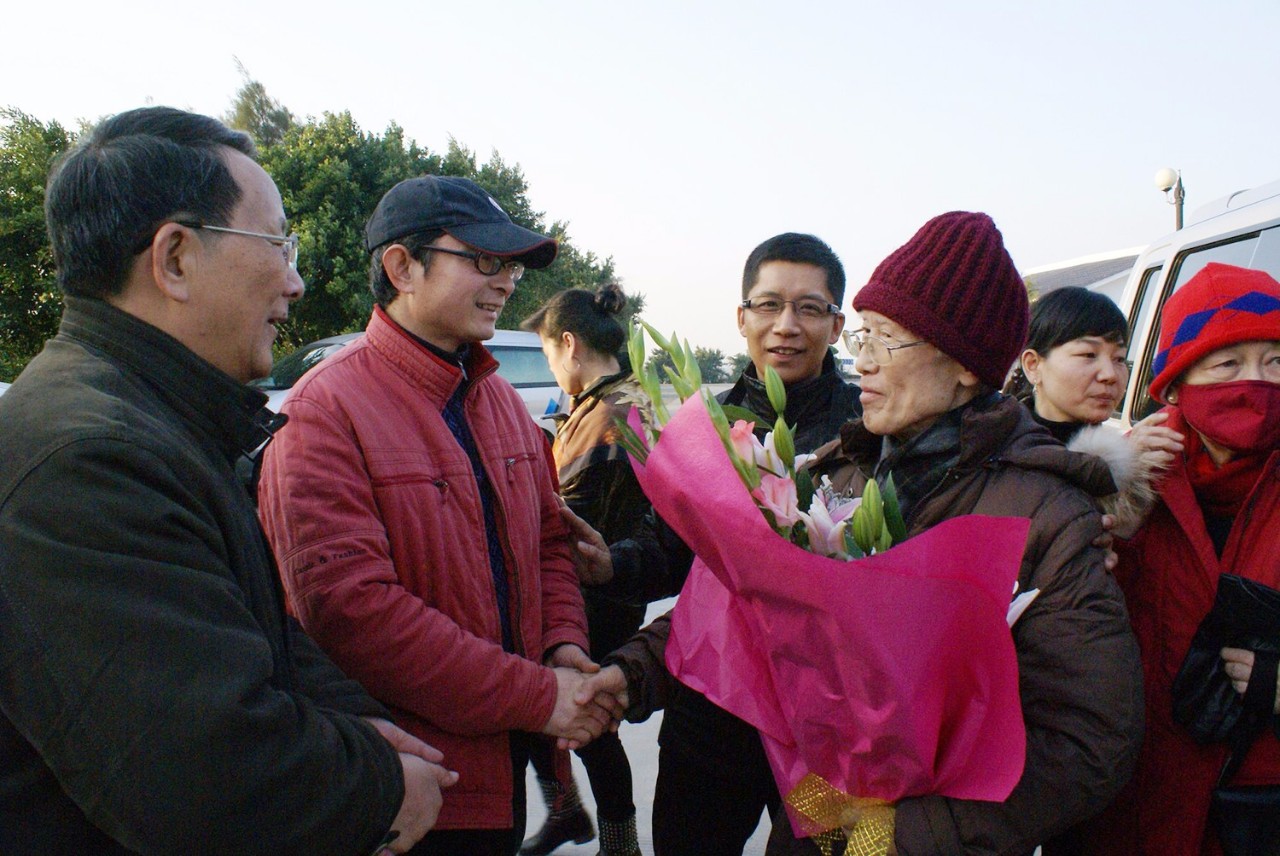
[[155, 696], [713, 778]]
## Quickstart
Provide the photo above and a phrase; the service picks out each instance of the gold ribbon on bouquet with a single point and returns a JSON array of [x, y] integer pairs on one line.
[[828, 815]]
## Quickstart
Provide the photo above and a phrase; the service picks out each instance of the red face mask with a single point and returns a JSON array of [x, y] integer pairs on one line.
[[1243, 415]]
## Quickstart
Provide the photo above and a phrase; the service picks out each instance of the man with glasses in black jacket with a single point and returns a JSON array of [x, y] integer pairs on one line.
[[155, 695], [713, 778]]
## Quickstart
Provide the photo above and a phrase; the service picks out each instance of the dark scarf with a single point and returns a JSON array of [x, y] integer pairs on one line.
[[920, 464]]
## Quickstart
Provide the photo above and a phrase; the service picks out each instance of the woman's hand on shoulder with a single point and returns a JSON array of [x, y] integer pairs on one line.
[[1156, 444]]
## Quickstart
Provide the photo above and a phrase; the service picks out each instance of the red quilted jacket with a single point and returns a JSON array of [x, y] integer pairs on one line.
[[374, 513]]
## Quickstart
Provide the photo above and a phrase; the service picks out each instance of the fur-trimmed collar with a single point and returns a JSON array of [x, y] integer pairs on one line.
[[1135, 478]]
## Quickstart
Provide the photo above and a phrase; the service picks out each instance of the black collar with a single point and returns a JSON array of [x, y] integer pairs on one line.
[[235, 415]]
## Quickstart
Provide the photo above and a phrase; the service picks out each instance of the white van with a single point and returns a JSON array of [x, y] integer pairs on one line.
[[1241, 229]]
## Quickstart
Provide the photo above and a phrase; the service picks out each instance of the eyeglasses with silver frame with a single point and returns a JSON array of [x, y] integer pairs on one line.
[[880, 351], [288, 243], [809, 310]]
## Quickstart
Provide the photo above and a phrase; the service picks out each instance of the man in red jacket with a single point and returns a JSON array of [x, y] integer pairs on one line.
[[412, 504]]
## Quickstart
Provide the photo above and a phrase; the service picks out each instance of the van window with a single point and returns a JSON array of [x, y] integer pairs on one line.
[[1145, 301], [523, 367], [1258, 250]]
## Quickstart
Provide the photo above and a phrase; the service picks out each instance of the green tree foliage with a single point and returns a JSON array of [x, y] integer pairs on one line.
[[738, 364], [253, 111], [30, 304], [711, 361], [331, 175]]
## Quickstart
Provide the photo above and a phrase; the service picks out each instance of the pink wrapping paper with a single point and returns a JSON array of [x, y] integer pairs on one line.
[[889, 676]]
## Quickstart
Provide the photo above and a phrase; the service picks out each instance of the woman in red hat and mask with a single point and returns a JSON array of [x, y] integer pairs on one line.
[[1218, 513]]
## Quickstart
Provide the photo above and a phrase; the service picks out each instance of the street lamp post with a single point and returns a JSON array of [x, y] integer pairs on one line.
[[1170, 181]]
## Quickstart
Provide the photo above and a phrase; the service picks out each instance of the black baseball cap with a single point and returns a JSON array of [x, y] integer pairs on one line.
[[462, 209]]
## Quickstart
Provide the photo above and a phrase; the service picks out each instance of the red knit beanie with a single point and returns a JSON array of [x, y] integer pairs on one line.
[[954, 285], [1219, 306]]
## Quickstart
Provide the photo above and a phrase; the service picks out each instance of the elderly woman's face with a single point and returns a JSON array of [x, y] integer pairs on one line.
[[1242, 361], [916, 386]]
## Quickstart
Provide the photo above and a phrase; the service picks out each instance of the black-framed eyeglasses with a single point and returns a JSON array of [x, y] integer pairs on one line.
[[487, 263], [880, 351], [809, 310], [288, 243]]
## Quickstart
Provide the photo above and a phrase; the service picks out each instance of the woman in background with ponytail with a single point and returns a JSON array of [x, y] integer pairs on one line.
[[585, 347]]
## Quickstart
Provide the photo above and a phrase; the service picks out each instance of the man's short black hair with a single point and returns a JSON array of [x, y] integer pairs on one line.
[[135, 171], [384, 290], [801, 249]]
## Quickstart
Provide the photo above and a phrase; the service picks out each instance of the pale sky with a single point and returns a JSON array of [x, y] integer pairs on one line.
[[676, 136]]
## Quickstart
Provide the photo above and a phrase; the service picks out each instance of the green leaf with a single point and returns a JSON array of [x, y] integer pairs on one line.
[[736, 412], [630, 441], [851, 544], [800, 535], [746, 470], [893, 512], [635, 347], [692, 371], [681, 386], [805, 489], [661, 341]]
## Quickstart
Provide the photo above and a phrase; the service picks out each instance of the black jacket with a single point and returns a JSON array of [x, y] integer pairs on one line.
[[817, 408], [155, 698]]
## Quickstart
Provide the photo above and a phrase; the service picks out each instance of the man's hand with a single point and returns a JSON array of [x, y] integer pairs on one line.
[[1238, 664], [608, 688], [423, 780], [577, 724], [404, 742], [590, 553], [571, 657], [607, 691]]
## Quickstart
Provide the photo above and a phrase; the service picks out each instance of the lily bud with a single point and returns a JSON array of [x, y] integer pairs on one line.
[[776, 390], [784, 444]]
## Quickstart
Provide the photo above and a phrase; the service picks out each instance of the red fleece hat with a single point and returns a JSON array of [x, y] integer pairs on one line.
[[954, 285], [1219, 306]]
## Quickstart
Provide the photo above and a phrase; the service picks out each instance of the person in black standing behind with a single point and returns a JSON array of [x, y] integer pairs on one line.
[[713, 778]]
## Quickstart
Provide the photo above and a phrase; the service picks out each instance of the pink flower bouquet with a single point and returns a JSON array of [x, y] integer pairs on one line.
[[888, 676]]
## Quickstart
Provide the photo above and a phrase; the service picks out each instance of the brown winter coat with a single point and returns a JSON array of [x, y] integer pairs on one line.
[[1078, 664]]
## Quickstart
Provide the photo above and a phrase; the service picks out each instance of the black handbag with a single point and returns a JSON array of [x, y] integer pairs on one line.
[[1245, 614]]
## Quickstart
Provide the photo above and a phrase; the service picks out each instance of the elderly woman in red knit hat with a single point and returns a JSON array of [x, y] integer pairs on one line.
[[943, 319], [1218, 370]]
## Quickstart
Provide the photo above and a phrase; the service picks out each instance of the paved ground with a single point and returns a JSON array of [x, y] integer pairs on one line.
[[641, 741]]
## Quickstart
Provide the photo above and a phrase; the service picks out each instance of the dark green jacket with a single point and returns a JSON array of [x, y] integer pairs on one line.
[[154, 697]]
